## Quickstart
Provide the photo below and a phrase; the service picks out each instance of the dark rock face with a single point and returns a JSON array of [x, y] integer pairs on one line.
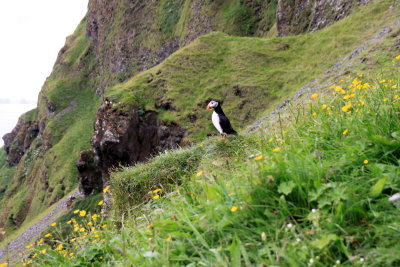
[[123, 138], [299, 16], [89, 174], [19, 140]]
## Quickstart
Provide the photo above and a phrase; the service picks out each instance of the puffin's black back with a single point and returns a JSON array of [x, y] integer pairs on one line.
[[224, 121]]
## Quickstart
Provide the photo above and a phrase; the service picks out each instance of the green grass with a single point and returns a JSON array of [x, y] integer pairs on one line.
[[251, 75], [297, 194], [169, 14], [316, 168], [6, 173]]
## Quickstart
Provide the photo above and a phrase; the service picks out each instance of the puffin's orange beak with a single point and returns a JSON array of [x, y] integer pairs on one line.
[[208, 107]]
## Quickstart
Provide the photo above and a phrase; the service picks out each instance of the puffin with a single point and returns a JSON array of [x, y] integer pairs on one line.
[[219, 119]]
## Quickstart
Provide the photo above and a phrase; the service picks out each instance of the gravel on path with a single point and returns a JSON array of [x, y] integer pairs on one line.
[[10, 252]]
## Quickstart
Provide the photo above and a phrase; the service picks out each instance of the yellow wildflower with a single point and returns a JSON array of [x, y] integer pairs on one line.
[[396, 97], [106, 189], [59, 247], [28, 246], [231, 194], [346, 97], [53, 224], [43, 251], [277, 149], [271, 139], [48, 235], [169, 238], [234, 208], [69, 222], [95, 216], [76, 211], [365, 161], [328, 108], [82, 230], [5, 264], [314, 114], [314, 96], [324, 107], [71, 254], [72, 240], [156, 191], [366, 85], [104, 226], [35, 255], [346, 108], [82, 213], [382, 81], [200, 173], [394, 86], [258, 158], [345, 132], [156, 197], [90, 223], [40, 242], [385, 99], [338, 88], [101, 202], [398, 57]]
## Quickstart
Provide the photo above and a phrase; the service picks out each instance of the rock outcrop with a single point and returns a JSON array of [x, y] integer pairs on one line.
[[123, 137], [299, 16], [19, 140]]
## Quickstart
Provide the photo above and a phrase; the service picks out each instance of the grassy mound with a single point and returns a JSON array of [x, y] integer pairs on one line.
[[313, 190]]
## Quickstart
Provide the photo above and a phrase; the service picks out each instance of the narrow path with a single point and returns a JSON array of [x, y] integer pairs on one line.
[[18, 244]]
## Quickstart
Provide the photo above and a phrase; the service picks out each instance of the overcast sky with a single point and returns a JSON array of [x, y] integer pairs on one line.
[[32, 32]]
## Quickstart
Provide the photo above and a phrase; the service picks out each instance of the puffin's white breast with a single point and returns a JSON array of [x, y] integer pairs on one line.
[[215, 120]]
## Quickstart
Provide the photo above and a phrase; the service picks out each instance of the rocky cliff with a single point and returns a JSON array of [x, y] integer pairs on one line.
[[299, 16], [77, 131]]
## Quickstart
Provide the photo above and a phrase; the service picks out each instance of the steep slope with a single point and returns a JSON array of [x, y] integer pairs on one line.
[[251, 75], [311, 189], [45, 168], [118, 39], [114, 41]]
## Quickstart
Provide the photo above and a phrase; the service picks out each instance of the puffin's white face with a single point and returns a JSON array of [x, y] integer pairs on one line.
[[212, 104]]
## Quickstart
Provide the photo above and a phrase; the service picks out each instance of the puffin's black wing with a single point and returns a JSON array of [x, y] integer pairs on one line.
[[226, 125]]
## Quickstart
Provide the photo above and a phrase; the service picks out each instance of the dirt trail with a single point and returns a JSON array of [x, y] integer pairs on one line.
[[18, 244]]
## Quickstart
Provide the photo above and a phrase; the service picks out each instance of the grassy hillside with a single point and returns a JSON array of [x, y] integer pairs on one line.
[[47, 170], [6, 173], [310, 189], [313, 192], [251, 75]]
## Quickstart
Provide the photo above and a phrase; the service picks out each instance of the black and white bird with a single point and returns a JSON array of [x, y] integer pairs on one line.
[[220, 121]]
